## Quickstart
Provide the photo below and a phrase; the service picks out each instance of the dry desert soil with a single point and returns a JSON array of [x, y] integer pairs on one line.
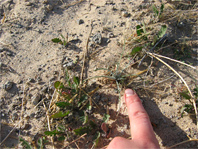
[[98, 34]]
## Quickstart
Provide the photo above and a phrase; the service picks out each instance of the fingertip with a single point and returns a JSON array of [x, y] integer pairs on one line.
[[130, 96], [129, 92]]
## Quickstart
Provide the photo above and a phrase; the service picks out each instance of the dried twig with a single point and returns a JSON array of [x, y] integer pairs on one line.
[[85, 54], [161, 81], [75, 140], [174, 60], [182, 143], [48, 123], [84, 59]]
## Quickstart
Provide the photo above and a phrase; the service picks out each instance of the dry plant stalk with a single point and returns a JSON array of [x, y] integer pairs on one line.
[[75, 140], [174, 60], [190, 140], [192, 99]]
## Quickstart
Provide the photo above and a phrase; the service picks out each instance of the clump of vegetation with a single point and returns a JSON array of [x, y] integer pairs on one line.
[[189, 108], [72, 107], [40, 144]]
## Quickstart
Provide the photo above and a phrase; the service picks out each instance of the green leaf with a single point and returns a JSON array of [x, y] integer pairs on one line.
[[96, 138], [40, 143], [88, 106], [58, 85], [82, 130], [155, 10], [139, 30], [84, 118], [61, 128], [92, 124], [62, 36], [50, 133], [62, 104], [57, 40], [106, 117], [196, 92], [76, 80], [25, 144], [185, 95], [60, 114], [161, 8], [64, 42], [187, 108], [61, 138], [135, 50], [162, 31]]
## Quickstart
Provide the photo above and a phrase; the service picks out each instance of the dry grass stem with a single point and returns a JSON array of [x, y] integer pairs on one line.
[[161, 81], [192, 100], [136, 75], [190, 140], [75, 140], [173, 60], [85, 54], [48, 123], [151, 54]]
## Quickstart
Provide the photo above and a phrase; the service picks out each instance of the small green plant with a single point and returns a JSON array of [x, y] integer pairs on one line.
[[72, 104], [58, 40], [25, 144], [188, 108], [117, 76], [39, 145], [158, 12], [144, 37]]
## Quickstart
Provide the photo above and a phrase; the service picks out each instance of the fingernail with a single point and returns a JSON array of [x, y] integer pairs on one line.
[[129, 92]]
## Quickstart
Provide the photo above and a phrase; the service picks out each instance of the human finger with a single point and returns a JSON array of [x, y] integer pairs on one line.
[[139, 120]]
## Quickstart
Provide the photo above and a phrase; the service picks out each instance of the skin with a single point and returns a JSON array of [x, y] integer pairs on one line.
[[141, 129]]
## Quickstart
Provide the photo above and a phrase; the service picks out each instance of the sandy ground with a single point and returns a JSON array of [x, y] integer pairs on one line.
[[31, 62]]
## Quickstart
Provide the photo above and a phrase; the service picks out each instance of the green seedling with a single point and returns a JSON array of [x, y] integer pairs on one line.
[[143, 36], [60, 132], [106, 118], [96, 139], [158, 12], [185, 95], [196, 92], [90, 127], [58, 40], [117, 76], [60, 114], [40, 143], [25, 144], [72, 105], [188, 107]]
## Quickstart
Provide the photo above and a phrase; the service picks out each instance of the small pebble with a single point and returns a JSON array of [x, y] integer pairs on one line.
[[14, 116], [32, 115], [38, 79], [8, 85], [110, 35], [26, 127], [80, 21], [97, 38], [36, 98], [31, 80], [125, 14]]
